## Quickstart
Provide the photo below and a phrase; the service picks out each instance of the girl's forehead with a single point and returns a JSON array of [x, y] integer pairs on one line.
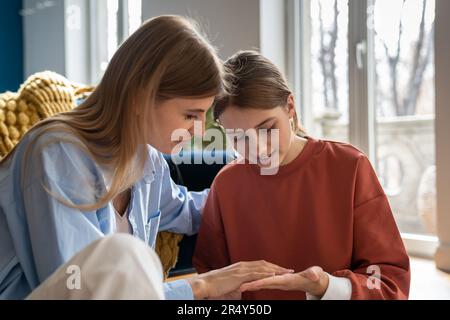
[[246, 118]]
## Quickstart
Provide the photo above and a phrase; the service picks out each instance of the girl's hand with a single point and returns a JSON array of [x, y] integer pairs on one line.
[[313, 281], [227, 281]]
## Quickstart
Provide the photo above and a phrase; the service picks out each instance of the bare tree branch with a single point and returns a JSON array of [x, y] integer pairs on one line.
[[408, 104], [327, 58], [333, 42], [418, 67], [322, 57]]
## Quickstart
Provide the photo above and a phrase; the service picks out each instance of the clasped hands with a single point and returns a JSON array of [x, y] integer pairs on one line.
[[231, 281]]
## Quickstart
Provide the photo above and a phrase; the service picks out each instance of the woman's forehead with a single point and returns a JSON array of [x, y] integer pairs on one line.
[[190, 104]]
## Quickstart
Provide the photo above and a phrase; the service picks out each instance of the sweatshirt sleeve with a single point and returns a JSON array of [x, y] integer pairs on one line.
[[380, 266], [211, 250]]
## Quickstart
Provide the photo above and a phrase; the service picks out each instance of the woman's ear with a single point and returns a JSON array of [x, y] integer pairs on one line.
[[291, 106]]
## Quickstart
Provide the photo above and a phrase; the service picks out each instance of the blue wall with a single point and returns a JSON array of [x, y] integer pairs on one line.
[[11, 45]]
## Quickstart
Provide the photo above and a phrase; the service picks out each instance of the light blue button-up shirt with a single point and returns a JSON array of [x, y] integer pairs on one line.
[[38, 233]]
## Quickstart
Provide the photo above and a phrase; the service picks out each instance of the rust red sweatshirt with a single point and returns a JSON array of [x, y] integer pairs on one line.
[[326, 208]]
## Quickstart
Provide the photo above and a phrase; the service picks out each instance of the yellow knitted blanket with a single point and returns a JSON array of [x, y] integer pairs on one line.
[[41, 96]]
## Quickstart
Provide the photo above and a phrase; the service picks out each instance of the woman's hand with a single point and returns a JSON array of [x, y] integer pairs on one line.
[[227, 281], [313, 281]]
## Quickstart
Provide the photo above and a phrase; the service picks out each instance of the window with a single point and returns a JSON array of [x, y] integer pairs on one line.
[[112, 21], [404, 109], [367, 77], [329, 66]]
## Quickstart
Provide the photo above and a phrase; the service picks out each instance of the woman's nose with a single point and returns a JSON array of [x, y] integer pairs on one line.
[[198, 128]]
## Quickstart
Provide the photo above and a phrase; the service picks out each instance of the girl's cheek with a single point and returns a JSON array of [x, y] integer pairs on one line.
[[284, 143]]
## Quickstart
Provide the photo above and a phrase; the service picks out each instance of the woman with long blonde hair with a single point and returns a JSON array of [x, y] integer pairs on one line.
[[80, 177]]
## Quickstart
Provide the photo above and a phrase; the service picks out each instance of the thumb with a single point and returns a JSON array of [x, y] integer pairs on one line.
[[312, 274]]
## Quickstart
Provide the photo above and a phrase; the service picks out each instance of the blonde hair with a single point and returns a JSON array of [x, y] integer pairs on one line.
[[166, 57], [253, 81]]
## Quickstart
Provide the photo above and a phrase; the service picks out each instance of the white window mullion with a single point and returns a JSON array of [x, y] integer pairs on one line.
[[273, 35], [299, 59], [134, 15], [76, 40], [305, 78], [98, 45], [442, 52], [122, 21], [361, 109]]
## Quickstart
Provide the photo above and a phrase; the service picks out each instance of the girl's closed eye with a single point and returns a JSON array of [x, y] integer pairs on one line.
[[270, 127], [191, 117]]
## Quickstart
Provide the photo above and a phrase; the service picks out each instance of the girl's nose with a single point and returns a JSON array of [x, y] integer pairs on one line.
[[263, 150]]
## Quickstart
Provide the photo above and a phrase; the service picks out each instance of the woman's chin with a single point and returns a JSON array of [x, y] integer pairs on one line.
[[176, 147], [165, 149]]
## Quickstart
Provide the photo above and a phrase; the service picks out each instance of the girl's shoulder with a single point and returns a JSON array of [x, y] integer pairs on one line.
[[343, 155], [338, 149], [320, 152], [232, 171]]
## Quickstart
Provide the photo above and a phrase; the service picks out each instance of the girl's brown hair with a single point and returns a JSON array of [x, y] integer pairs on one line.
[[253, 81], [166, 57]]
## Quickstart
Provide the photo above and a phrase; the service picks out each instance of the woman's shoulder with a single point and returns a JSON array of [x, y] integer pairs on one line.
[[155, 165], [155, 159], [57, 145], [57, 153]]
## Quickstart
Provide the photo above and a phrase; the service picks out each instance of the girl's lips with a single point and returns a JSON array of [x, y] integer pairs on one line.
[[265, 160]]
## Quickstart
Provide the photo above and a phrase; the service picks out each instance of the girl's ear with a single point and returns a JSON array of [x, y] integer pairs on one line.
[[291, 106]]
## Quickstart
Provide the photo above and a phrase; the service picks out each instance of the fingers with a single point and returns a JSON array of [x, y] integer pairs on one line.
[[255, 276], [234, 295], [307, 280], [312, 273], [273, 270], [277, 269], [262, 267], [275, 282]]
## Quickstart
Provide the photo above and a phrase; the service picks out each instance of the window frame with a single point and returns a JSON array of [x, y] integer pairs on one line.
[[98, 30]]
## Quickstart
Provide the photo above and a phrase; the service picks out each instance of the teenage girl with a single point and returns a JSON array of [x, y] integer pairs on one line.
[[323, 214]]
